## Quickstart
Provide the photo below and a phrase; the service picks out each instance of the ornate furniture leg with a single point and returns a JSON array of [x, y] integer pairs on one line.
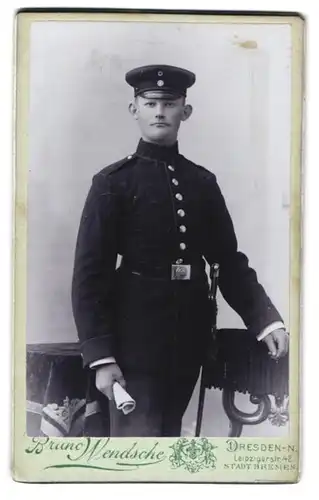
[[238, 418], [279, 414]]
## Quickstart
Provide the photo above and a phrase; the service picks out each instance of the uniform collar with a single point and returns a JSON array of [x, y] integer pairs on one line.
[[156, 152]]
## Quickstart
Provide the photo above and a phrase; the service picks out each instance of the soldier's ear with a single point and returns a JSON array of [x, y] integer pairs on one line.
[[187, 111], [133, 109]]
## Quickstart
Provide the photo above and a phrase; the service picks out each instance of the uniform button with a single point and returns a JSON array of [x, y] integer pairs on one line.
[[171, 168], [182, 246], [175, 182], [129, 157], [179, 261], [182, 229], [181, 212], [178, 196]]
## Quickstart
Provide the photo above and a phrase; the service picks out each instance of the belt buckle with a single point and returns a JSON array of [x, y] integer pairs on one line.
[[181, 272]]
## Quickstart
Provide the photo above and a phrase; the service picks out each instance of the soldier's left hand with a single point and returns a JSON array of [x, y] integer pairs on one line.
[[277, 343]]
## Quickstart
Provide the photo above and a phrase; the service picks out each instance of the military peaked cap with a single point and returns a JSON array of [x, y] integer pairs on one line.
[[160, 78]]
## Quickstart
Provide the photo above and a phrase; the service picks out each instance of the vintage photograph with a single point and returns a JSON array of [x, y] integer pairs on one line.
[[158, 229], [158, 189], [158, 238]]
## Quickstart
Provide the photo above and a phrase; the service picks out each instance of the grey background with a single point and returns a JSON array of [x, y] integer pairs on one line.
[[79, 123]]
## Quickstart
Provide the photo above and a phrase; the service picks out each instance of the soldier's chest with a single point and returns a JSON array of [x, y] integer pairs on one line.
[[161, 191]]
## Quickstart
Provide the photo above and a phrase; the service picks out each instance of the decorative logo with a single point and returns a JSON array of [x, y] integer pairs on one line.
[[193, 455], [160, 83]]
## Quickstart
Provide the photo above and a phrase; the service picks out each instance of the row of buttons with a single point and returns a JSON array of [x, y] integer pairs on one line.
[[180, 213]]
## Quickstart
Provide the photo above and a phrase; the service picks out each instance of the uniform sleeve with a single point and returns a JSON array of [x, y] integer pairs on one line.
[[238, 282], [94, 271]]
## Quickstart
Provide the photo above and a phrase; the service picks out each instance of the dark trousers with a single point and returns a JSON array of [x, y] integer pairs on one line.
[[160, 405]]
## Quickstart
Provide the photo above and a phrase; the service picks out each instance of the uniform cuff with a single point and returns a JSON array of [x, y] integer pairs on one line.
[[103, 361], [276, 325], [97, 348]]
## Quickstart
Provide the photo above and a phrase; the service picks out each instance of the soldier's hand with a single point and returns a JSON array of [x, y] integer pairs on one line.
[[277, 343], [105, 377]]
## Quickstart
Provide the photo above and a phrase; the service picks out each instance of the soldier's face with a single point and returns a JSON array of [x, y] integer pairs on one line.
[[159, 119]]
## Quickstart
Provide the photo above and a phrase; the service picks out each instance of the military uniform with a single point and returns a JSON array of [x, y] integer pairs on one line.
[[164, 214]]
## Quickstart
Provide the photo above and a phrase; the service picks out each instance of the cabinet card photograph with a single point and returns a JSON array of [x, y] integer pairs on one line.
[[157, 246]]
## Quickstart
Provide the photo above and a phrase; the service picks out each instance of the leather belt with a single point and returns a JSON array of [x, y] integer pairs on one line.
[[173, 272]]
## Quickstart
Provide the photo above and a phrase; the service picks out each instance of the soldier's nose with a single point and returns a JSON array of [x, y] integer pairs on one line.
[[160, 110]]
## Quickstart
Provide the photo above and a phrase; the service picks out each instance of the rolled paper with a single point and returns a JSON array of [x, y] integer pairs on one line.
[[123, 400]]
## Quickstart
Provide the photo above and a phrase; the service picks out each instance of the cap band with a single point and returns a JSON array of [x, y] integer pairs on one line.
[[152, 93]]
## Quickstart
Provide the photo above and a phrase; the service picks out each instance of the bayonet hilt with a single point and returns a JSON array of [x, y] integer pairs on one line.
[[214, 275]]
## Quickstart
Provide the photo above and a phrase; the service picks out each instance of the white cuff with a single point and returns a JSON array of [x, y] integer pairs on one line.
[[102, 361], [276, 325]]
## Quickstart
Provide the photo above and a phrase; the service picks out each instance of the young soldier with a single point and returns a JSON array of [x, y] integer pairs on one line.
[[145, 324]]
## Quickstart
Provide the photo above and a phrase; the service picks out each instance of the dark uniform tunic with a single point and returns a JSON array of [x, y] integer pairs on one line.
[[157, 208]]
